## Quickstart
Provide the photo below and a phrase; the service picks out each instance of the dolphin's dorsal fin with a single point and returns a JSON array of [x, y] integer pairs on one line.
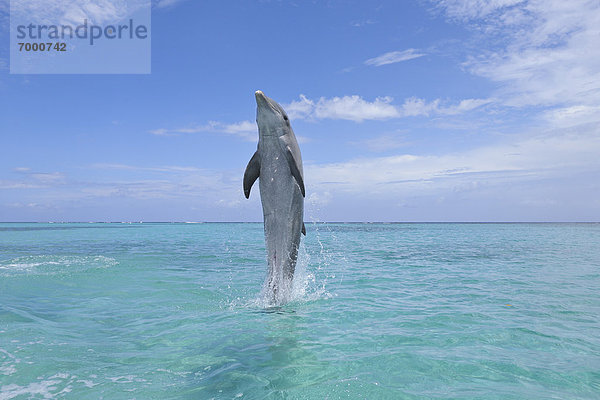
[[251, 174], [303, 229]]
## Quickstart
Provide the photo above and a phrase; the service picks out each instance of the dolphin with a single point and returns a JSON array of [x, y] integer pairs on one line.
[[278, 163]]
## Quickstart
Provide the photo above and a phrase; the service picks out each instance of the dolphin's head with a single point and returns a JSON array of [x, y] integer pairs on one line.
[[271, 118]]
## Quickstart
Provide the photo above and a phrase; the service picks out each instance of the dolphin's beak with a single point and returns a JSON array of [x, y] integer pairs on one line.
[[261, 99]]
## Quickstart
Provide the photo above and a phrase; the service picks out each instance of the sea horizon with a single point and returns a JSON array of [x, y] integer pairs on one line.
[[307, 222]]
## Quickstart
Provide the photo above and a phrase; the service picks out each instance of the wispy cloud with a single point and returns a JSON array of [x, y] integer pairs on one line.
[[470, 9], [166, 3], [206, 188], [360, 24], [13, 184], [394, 57], [534, 158], [171, 181], [30, 179], [49, 178], [128, 167], [542, 53], [386, 142], [419, 107], [72, 12], [572, 115], [244, 129]]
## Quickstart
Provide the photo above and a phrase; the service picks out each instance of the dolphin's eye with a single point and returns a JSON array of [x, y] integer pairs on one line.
[[285, 117]]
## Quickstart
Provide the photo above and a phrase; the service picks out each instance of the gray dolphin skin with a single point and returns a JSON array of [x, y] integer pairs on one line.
[[278, 163]]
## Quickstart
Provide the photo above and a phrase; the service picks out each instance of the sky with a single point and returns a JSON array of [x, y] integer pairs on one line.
[[439, 110]]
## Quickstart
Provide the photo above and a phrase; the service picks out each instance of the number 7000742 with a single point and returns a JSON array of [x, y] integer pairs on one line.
[[42, 46]]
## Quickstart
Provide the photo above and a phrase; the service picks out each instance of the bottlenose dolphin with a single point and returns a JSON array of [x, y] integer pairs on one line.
[[278, 163]]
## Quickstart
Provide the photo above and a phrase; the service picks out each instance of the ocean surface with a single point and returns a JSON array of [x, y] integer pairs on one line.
[[379, 311]]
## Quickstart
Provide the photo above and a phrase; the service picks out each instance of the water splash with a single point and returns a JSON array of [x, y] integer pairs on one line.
[[313, 271], [306, 286]]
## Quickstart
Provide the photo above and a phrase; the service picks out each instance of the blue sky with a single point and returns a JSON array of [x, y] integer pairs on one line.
[[437, 110]]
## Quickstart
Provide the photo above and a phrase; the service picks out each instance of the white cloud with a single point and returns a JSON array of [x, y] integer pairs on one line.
[[300, 109], [355, 108], [414, 107], [239, 127], [394, 57]]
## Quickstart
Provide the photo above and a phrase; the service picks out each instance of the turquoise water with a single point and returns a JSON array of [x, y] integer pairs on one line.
[[380, 311]]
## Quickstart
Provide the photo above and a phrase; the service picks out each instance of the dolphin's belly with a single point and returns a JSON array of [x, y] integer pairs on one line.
[[283, 209]]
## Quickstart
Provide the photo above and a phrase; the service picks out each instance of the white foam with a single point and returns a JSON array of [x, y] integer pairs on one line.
[[43, 388], [9, 362], [51, 265], [49, 388], [126, 379], [122, 379], [86, 383], [8, 369]]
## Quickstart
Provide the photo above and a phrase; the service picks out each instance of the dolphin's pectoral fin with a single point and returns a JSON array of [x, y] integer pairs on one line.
[[251, 174], [303, 229], [295, 169]]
